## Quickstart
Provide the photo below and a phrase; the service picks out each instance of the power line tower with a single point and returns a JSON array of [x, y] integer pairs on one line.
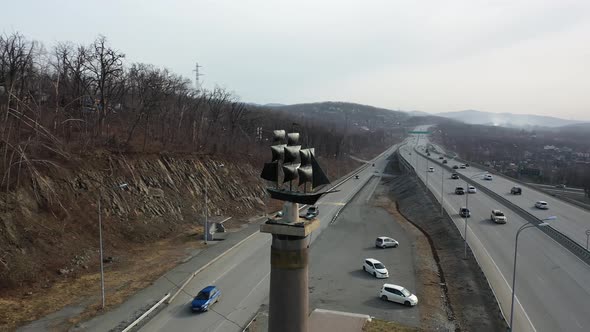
[[197, 75]]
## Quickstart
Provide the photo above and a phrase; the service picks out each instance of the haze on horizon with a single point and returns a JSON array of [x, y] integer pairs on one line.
[[524, 57]]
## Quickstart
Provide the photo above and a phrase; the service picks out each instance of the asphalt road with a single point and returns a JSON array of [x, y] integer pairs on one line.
[[243, 274], [553, 286], [337, 280]]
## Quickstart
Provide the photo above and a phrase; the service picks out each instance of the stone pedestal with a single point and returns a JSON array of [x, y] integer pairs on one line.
[[289, 294]]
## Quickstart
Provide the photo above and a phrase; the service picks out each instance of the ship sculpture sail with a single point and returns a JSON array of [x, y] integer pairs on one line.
[[290, 163]]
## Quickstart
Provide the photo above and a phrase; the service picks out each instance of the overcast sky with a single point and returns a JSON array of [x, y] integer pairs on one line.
[[519, 56]]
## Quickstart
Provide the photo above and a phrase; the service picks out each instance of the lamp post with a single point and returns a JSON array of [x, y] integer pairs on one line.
[[120, 186], [522, 228], [467, 207]]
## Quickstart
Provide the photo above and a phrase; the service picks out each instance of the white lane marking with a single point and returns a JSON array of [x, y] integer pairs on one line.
[[491, 259], [241, 302]]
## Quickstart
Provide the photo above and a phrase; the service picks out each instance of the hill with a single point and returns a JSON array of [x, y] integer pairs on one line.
[[507, 119]]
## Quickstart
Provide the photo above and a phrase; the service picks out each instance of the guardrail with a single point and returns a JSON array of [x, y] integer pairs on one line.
[[145, 314], [525, 184], [553, 233]]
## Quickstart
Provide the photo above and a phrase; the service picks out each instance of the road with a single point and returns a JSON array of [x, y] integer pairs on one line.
[[553, 286], [337, 281], [243, 274], [572, 220]]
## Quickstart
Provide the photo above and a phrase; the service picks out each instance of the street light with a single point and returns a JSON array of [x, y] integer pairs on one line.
[[120, 186], [522, 228], [467, 207]]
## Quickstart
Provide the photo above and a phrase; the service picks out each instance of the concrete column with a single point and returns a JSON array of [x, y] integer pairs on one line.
[[289, 295]]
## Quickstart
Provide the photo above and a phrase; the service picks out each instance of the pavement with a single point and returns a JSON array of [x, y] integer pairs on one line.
[[337, 280], [553, 286], [242, 274]]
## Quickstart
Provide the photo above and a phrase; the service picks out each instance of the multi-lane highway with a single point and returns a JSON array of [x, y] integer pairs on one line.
[[572, 220], [243, 273], [553, 285]]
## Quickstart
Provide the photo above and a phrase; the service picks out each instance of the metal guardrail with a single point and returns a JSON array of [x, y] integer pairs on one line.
[[145, 314], [553, 233], [525, 184]]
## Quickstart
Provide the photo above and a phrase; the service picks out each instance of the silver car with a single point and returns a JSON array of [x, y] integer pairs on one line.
[[386, 242]]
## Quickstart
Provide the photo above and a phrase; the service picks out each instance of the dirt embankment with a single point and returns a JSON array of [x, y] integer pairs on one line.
[[49, 225], [471, 303]]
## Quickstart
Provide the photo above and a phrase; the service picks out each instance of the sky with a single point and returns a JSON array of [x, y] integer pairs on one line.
[[518, 56]]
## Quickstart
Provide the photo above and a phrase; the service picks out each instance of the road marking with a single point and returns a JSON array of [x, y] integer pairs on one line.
[[431, 188]]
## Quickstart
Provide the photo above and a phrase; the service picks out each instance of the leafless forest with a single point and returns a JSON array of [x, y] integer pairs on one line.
[[76, 99]]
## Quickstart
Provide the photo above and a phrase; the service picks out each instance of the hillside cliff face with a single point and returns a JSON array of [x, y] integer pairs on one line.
[[49, 224]]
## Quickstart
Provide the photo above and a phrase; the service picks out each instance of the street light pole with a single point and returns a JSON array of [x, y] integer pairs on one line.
[[101, 254], [121, 186], [442, 189], [522, 228], [466, 216], [206, 215]]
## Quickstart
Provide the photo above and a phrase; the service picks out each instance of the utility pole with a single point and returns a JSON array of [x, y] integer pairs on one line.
[[206, 216], [197, 75], [101, 257]]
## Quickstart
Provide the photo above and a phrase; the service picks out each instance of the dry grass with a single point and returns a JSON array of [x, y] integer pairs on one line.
[[378, 325], [432, 306], [142, 266]]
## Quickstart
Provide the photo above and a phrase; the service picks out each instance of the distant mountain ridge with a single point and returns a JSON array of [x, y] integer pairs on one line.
[[508, 119]]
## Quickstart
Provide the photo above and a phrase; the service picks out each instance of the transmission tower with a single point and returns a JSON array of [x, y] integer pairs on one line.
[[197, 75]]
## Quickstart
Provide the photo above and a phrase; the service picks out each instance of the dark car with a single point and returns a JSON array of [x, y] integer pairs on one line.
[[356, 177], [459, 191], [444, 161], [441, 157], [454, 176], [312, 212], [516, 191], [466, 165], [455, 167], [206, 298], [464, 212]]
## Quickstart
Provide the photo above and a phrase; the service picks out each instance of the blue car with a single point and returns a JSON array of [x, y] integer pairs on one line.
[[206, 298]]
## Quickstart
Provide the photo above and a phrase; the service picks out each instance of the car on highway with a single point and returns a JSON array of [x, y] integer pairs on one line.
[[441, 157], [516, 190], [444, 161], [431, 169], [356, 177], [395, 293], [455, 176], [375, 268], [498, 217], [386, 242], [541, 205], [455, 167], [462, 166], [471, 189], [464, 212], [459, 191], [207, 297], [560, 186], [487, 177], [466, 165], [312, 212]]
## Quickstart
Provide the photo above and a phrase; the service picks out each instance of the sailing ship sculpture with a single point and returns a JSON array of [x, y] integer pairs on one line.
[[290, 163]]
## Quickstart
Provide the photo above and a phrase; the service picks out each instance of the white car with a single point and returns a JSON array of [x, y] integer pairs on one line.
[[541, 205], [395, 293], [488, 177], [375, 268], [498, 217], [431, 169], [471, 189], [386, 242]]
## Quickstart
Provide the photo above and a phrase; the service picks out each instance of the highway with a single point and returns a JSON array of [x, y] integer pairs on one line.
[[243, 274], [553, 286], [572, 220]]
